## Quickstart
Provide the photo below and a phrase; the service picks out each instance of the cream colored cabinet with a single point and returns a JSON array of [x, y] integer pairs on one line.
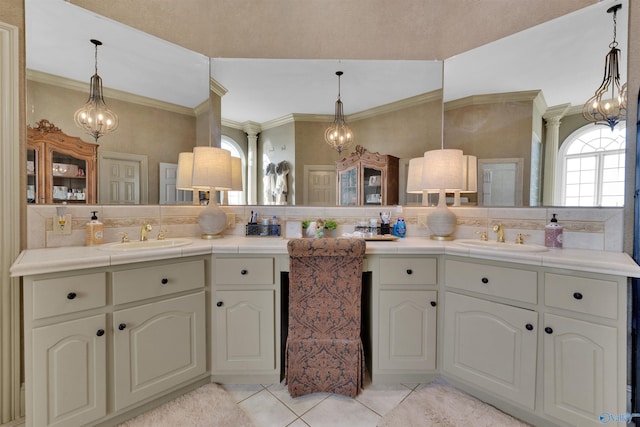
[[67, 373], [157, 346], [582, 357], [404, 333], [98, 342], [491, 345], [244, 319]]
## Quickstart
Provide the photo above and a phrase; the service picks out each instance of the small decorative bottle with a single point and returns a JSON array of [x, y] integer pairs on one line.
[[553, 234]]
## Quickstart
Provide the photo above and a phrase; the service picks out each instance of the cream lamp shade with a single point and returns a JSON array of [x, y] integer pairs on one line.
[[236, 174], [414, 179], [185, 171], [442, 171], [469, 177], [211, 172]]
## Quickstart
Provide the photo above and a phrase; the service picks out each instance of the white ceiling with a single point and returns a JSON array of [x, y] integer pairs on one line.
[[561, 57]]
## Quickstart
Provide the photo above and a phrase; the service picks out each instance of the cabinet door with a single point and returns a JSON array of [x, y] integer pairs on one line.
[[492, 345], [157, 346], [348, 187], [69, 373], [244, 330], [407, 330], [580, 371]]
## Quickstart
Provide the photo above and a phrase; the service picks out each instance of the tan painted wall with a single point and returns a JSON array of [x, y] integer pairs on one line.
[[156, 133]]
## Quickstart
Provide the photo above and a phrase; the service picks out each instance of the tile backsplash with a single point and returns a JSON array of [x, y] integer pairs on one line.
[[584, 228]]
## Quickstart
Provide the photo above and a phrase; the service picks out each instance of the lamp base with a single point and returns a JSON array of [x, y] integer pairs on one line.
[[441, 238], [442, 221], [212, 221]]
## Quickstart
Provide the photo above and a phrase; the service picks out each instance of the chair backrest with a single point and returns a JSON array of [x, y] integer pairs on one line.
[[325, 286]]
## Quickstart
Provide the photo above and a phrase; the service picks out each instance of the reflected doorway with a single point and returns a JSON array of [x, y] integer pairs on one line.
[[320, 185]]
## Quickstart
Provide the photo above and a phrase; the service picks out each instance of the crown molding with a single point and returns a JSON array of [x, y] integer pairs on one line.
[[217, 88], [40, 77], [424, 98], [492, 98]]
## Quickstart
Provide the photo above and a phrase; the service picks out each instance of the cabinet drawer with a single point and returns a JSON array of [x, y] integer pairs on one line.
[[581, 294], [63, 295], [244, 271], [512, 283], [408, 271], [160, 280]]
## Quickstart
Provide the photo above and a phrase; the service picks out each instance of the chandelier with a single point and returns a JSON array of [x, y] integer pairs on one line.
[[609, 104], [338, 135], [94, 117]]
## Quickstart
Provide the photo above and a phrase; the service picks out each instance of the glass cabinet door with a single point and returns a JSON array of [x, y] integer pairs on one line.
[[372, 186], [349, 187], [69, 178], [32, 176]]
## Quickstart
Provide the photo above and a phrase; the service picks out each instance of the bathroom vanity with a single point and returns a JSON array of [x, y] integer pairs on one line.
[[539, 335]]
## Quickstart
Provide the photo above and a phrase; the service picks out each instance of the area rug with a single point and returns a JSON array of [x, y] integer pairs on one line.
[[440, 404], [207, 406]]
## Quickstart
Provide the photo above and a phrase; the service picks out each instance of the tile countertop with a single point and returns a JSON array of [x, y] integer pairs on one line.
[[49, 260]]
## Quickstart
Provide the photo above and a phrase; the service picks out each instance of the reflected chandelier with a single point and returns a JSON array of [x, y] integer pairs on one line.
[[609, 104], [338, 135], [94, 117]]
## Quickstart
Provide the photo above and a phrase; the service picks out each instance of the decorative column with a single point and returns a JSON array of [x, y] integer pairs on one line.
[[552, 143], [252, 130]]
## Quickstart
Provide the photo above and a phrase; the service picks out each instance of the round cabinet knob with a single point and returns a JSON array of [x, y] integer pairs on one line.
[[577, 295], [122, 326], [548, 330], [433, 303], [485, 280], [72, 295], [409, 271], [100, 332], [243, 272], [164, 281], [219, 303], [529, 327]]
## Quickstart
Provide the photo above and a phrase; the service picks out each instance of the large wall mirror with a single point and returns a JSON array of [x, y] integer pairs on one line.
[[495, 97]]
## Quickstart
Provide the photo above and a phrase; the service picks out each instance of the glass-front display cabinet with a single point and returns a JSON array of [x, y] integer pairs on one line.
[[60, 168], [366, 178]]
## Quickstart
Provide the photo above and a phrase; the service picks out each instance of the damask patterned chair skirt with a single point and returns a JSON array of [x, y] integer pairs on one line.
[[324, 351]]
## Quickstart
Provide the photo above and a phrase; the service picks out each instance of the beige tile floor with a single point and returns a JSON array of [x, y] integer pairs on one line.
[[271, 405]]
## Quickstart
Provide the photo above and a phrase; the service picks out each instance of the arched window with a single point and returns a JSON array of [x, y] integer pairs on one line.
[[235, 197], [591, 166]]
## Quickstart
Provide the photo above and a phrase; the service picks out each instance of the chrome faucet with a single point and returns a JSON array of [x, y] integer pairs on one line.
[[144, 230], [498, 229]]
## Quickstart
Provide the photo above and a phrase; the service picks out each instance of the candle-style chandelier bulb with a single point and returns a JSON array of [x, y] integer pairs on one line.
[[94, 117]]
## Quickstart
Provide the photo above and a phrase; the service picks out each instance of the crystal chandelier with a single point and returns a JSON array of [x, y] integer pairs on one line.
[[609, 104], [338, 135], [94, 117]]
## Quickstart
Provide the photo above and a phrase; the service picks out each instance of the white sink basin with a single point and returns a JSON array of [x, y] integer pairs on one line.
[[499, 246], [145, 245]]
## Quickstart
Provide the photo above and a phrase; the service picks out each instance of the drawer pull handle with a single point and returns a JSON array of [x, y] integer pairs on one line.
[[409, 271], [433, 303], [548, 330], [219, 303], [529, 327], [164, 281], [577, 295], [100, 332], [243, 272], [122, 326], [72, 295], [485, 280]]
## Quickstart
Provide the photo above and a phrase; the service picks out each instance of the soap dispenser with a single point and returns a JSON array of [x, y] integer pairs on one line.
[[553, 234], [95, 231]]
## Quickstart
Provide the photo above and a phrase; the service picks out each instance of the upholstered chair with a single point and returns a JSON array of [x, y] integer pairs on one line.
[[324, 352]]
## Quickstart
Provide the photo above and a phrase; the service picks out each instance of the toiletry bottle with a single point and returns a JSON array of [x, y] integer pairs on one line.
[[95, 231], [400, 228], [273, 227], [553, 234]]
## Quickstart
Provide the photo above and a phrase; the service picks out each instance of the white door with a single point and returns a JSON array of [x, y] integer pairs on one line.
[[122, 178], [320, 182], [168, 193]]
